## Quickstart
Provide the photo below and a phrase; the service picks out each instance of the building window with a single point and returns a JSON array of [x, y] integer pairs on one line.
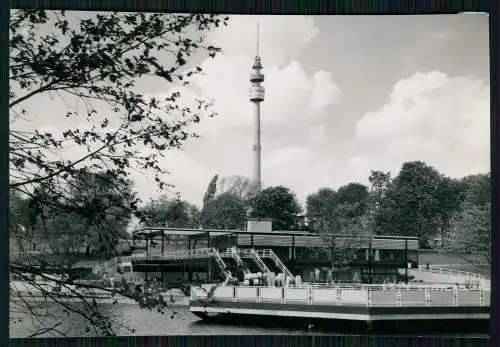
[[387, 255], [302, 252]]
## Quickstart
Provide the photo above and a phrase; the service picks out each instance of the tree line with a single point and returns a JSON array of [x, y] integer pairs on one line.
[[451, 213]]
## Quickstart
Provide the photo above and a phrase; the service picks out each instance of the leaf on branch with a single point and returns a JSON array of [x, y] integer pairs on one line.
[[98, 60]]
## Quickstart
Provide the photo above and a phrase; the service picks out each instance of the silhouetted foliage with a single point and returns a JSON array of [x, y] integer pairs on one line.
[[97, 63]]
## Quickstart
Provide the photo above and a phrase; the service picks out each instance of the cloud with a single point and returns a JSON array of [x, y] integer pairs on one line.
[[325, 91], [290, 93], [300, 169], [433, 117], [318, 133]]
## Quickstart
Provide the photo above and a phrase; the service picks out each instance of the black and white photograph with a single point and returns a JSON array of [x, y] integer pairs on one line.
[[200, 174]]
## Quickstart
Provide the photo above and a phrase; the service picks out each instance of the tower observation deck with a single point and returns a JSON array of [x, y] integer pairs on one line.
[[256, 78]]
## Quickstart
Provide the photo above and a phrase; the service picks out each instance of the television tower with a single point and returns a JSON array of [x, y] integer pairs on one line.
[[256, 97]]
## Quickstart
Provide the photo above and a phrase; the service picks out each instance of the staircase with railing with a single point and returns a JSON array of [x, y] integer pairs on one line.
[[222, 265], [232, 254], [237, 258], [269, 253], [233, 260], [253, 255]]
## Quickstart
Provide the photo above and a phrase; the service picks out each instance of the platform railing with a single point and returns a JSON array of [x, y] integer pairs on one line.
[[269, 253], [183, 254], [379, 287], [251, 253], [173, 255], [424, 297], [245, 252]]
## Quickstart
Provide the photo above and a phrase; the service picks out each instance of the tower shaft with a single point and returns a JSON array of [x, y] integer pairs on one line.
[[257, 147]]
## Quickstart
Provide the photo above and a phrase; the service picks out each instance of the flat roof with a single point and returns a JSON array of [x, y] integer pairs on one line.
[[158, 231], [181, 231]]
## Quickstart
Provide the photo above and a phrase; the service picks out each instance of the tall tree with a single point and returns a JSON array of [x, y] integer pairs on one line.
[[320, 209], [211, 189], [339, 218], [174, 213], [66, 234], [95, 211], [411, 206], [354, 198], [278, 204], [97, 63], [476, 189], [470, 225], [470, 233], [450, 194], [22, 222], [226, 211], [379, 185]]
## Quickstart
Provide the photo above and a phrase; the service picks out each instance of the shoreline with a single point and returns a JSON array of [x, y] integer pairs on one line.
[[179, 301]]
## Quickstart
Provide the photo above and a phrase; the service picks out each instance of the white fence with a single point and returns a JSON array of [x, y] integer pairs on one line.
[[451, 272], [346, 296], [441, 274]]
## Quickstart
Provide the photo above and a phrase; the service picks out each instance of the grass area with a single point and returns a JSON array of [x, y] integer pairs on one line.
[[452, 260]]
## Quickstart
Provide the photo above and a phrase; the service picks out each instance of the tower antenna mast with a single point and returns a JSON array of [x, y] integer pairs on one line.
[[257, 39]]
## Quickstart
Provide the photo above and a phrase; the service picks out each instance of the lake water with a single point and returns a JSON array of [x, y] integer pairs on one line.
[[144, 322], [147, 322]]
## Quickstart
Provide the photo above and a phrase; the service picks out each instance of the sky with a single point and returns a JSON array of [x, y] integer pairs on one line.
[[344, 95]]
